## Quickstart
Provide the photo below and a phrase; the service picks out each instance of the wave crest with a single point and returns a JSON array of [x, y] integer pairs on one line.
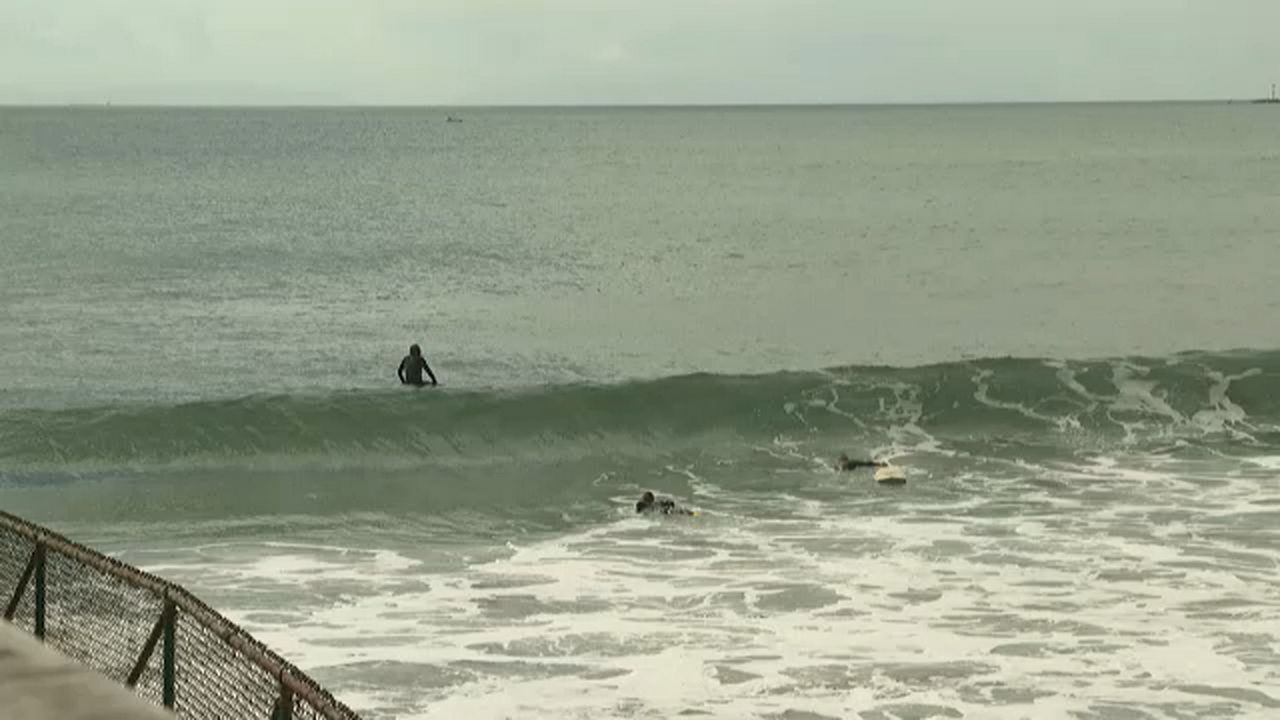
[[1232, 395]]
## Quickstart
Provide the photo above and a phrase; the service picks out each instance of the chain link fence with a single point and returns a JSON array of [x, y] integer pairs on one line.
[[147, 633]]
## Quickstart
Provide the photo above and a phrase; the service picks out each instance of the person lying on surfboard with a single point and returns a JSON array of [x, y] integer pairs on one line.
[[885, 473], [843, 463], [411, 367], [663, 506]]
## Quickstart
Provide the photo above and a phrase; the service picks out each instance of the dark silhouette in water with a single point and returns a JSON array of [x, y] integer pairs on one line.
[[411, 367], [663, 506], [885, 474], [844, 464]]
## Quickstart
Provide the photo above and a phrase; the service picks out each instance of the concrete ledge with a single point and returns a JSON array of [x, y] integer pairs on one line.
[[37, 683]]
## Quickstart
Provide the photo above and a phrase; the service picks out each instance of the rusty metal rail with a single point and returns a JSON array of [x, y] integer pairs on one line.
[[111, 616]]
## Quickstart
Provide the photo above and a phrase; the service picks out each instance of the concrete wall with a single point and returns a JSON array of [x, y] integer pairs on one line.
[[37, 683]]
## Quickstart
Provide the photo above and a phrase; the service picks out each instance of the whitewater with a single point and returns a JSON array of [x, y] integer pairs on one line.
[[1075, 537]]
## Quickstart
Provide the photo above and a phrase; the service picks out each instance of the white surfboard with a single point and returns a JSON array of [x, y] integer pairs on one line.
[[891, 475]]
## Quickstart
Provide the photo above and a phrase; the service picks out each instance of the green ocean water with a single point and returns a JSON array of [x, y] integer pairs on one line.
[[1059, 319]]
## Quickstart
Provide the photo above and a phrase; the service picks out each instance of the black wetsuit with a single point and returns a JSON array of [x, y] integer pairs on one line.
[[847, 464], [664, 506], [411, 368]]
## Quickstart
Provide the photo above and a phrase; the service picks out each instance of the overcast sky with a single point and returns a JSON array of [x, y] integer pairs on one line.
[[634, 51]]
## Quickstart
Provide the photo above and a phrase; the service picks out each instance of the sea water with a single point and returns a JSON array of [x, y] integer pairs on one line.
[[1060, 320]]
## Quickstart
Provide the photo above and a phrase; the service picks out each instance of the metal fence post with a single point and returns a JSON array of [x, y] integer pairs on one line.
[[284, 704], [21, 588], [170, 648], [145, 656], [40, 557]]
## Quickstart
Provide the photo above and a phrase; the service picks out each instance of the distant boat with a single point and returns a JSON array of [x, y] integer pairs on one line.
[[1273, 100], [453, 119]]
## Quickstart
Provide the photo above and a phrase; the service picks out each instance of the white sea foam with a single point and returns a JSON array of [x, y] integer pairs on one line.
[[942, 606]]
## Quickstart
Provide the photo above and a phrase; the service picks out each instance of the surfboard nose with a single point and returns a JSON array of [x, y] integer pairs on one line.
[[891, 475]]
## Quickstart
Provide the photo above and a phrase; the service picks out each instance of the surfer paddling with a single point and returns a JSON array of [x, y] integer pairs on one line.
[[885, 474], [411, 367], [844, 464], [649, 504]]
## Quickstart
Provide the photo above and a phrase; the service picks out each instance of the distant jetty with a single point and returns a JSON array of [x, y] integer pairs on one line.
[[1273, 100]]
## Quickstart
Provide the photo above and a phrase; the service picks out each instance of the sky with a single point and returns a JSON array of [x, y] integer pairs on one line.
[[552, 52]]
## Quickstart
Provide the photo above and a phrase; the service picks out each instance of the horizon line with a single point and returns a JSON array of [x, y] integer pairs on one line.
[[598, 105]]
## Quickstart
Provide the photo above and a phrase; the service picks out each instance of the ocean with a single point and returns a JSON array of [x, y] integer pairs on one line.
[[1060, 320]]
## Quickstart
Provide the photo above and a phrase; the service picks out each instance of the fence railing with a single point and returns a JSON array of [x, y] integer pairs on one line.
[[111, 616]]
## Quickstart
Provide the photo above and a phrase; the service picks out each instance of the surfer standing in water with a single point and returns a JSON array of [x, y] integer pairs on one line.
[[411, 368]]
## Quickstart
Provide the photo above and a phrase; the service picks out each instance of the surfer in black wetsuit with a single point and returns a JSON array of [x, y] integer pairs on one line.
[[844, 464], [411, 368], [662, 506]]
